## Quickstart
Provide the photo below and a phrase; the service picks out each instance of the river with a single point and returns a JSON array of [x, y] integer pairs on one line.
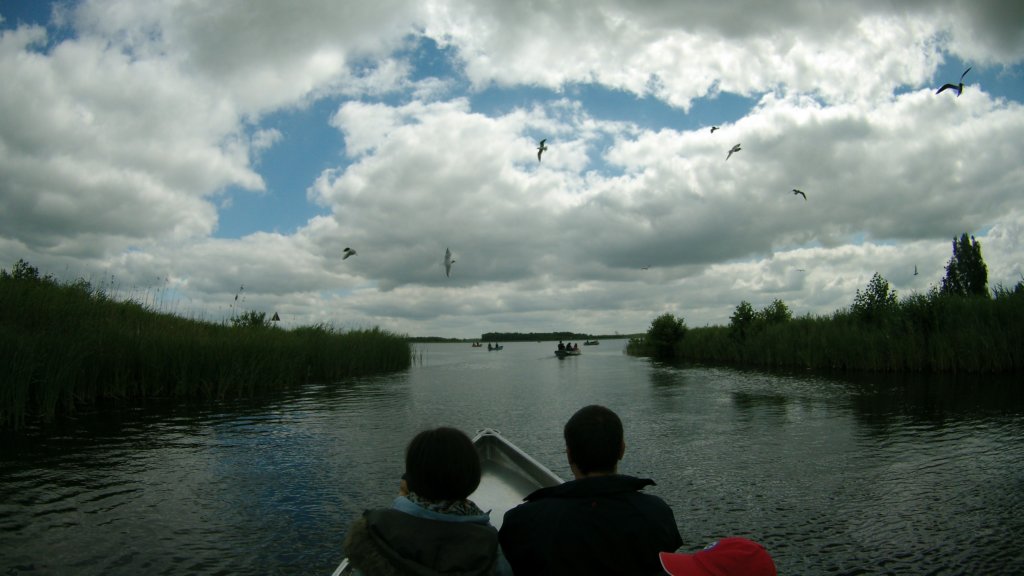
[[833, 474]]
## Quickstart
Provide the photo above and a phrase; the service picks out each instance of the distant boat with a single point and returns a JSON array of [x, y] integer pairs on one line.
[[590, 342], [477, 345], [495, 347], [564, 353]]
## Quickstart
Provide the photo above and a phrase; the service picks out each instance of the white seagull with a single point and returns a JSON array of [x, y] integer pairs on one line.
[[448, 261], [541, 148], [348, 252], [735, 148]]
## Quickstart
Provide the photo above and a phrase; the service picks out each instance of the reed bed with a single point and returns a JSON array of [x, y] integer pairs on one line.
[[62, 345], [923, 333]]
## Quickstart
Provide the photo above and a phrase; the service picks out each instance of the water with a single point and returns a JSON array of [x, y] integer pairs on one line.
[[869, 475]]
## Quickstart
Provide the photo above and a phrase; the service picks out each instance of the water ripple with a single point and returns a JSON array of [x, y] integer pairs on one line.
[[833, 476]]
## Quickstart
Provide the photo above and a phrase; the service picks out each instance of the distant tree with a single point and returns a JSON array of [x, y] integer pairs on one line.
[[251, 319], [24, 271], [741, 320], [966, 273], [876, 299], [663, 335], [775, 313]]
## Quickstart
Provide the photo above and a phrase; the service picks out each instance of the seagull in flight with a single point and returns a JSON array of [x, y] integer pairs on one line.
[[541, 148], [735, 148], [800, 192], [347, 252], [958, 87], [713, 128], [448, 261]]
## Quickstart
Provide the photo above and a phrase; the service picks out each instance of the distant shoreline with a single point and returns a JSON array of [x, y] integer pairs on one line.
[[924, 334], [522, 337]]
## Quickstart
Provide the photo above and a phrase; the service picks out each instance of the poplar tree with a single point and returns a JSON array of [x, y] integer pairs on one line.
[[966, 273]]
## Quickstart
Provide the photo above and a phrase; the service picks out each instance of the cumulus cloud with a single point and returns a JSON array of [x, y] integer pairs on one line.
[[137, 123], [130, 164], [680, 51]]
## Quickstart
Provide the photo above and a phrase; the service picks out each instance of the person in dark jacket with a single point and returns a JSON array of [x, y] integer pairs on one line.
[[432, 527], [598, 523]]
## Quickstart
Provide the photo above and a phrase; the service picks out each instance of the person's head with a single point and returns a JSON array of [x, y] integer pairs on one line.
[[442, 464], [593, 441], [727, 557]]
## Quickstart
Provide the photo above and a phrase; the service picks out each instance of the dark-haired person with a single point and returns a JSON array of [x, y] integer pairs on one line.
[[432, 526], [598, 523]]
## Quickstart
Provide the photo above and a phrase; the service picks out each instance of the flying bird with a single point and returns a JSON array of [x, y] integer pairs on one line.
[[800, 192], [735, 148], [958, 87], [713, 128], [541, 148], [349, 252], [448, 261]]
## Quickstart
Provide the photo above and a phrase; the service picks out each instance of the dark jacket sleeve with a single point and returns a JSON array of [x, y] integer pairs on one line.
[[518, 542], [364, 554]]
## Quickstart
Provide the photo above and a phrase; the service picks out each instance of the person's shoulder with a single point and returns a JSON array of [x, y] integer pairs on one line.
[[653, 500], [525, 513], [523, 509]]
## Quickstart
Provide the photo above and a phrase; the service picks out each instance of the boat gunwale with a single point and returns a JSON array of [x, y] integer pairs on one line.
[[539, 473]]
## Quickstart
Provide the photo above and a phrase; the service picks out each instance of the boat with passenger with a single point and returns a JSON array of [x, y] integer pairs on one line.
[[567, 352], [507, 476], [590, 342]]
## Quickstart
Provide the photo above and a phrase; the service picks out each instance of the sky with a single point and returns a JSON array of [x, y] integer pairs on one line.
[[212, 158]]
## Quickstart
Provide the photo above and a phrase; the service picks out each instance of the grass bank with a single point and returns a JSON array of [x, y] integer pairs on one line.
[[62, 345], [923, 333]]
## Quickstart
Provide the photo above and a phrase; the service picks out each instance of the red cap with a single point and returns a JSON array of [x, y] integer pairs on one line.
[[727, 557]]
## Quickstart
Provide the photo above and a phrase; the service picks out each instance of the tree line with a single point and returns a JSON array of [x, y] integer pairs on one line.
[[532, 336], [959, 326]]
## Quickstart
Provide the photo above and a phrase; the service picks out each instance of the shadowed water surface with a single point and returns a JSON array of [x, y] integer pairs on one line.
[[868, 475]]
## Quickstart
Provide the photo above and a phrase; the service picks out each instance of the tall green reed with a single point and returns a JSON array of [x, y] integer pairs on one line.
[[62, 345]]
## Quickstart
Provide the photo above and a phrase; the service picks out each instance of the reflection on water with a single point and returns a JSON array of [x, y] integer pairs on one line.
[[866, 475], [850, 475]]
